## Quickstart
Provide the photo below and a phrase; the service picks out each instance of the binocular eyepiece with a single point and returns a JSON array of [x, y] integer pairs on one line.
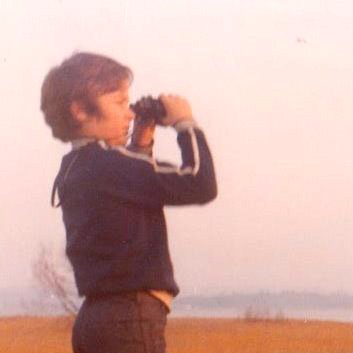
[[148, 108]]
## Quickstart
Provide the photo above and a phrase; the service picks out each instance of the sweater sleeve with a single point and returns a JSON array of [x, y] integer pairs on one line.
[[138, 178]]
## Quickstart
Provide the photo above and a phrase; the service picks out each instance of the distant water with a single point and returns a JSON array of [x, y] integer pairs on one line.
[[30, 304], [341, 315]]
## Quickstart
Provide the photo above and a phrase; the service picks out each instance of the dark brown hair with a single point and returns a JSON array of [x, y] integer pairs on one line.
[[81, 78]]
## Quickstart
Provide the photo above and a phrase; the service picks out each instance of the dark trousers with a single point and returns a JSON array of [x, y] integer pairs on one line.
[[123, 323]]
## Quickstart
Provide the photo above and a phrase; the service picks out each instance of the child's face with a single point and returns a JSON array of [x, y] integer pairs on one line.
[[114, 116]]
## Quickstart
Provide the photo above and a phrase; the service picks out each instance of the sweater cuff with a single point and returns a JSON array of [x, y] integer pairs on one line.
[[184, 125], [147, 150]]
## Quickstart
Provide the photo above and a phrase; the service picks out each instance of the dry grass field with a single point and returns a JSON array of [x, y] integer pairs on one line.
[[52, 335]]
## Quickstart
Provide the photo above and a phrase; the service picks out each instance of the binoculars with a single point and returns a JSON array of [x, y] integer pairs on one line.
[[148, 108]]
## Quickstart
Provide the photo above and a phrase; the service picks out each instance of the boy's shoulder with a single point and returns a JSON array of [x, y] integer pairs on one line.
[[91, 158], [96, 154]]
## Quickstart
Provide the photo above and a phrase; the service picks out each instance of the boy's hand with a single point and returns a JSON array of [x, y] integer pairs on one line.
[[143, 131], [178, 109]]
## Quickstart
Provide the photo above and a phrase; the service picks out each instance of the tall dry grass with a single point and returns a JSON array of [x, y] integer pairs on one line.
[[52, 335]]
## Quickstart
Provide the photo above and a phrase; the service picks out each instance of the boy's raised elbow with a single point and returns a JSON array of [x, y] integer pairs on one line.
[[209, 194]]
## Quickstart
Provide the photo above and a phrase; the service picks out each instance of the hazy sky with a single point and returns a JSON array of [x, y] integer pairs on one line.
[[270, 82]]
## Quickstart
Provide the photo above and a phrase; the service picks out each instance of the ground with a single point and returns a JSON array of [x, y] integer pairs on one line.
[[191, 335]]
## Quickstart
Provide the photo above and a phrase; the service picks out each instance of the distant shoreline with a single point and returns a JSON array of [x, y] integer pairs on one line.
[[301, 305]]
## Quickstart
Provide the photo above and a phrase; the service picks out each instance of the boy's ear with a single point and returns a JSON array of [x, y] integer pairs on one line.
[[78, 112]]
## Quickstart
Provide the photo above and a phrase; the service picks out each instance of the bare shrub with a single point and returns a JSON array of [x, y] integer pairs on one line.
[[254, 314], [54, 281], [280, 316]]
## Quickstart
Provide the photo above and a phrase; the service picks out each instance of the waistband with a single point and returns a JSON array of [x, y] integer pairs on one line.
[[135, 296], [132, 295]]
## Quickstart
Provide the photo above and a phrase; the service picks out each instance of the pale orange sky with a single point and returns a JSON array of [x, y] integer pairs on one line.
[[271, 84]]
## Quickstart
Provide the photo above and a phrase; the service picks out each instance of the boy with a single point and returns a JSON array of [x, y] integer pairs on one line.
[[112, 199]]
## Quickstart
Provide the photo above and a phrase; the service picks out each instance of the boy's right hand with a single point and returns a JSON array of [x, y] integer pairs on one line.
[[143, 131], [178, 109]]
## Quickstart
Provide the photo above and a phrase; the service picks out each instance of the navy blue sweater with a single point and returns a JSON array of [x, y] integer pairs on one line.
[[112, 201]]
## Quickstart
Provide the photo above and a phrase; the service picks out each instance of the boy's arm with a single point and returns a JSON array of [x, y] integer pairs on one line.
[[138, 178]]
